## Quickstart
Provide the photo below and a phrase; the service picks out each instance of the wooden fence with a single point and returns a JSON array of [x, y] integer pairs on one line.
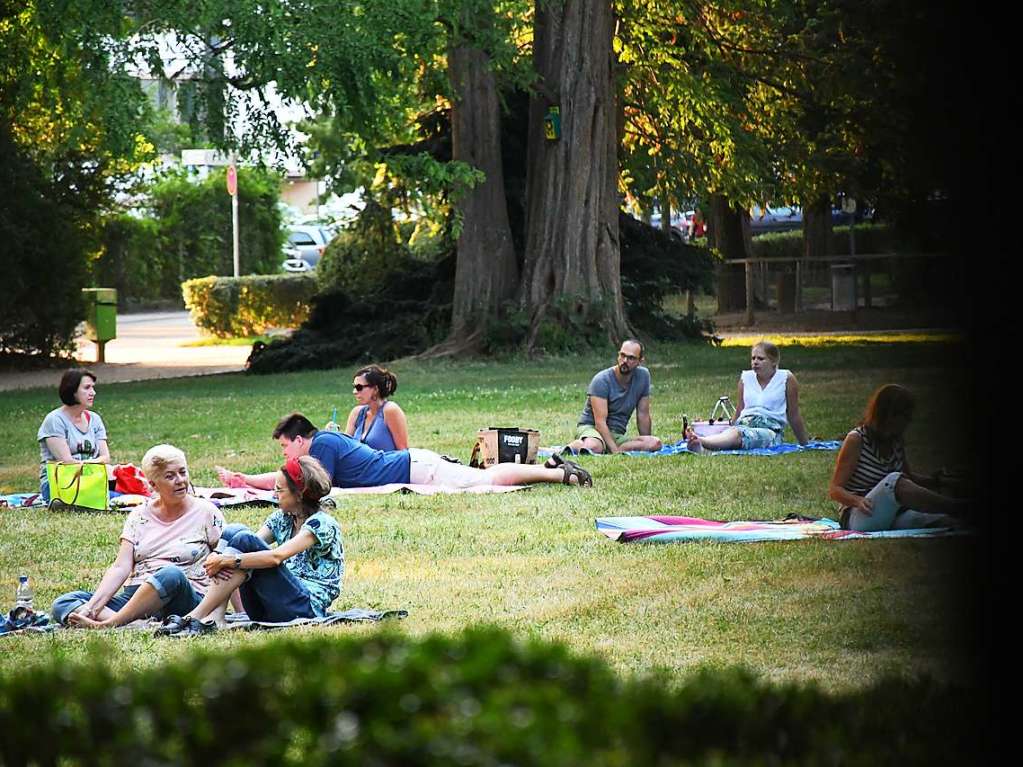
[[850, 275]]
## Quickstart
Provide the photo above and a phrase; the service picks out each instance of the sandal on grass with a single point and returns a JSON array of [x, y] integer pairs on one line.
[[194, 628], [583, 478], [172, 624], [554, 461]]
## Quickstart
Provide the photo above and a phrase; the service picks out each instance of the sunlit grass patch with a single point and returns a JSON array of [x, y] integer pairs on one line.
[[239, 341], [845, 339]]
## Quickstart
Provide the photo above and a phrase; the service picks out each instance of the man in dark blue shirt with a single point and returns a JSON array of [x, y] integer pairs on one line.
[[351, 463]]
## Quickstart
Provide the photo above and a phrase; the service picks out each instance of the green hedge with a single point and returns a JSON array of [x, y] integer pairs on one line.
[[243, 306], [480, 698], [870, 238], [186, 233]]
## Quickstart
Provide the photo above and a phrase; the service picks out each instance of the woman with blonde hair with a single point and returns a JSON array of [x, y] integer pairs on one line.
[[872, 480], [768, 401], [298, 577], [164, 544]]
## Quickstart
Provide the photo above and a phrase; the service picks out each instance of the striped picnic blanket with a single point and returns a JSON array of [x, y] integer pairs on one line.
[[663, 529]]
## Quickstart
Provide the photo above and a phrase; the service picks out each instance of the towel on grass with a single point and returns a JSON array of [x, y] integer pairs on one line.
[[680, 447], [237, 496], [662, 529], [399, 487], [21, 501], [353, 615]]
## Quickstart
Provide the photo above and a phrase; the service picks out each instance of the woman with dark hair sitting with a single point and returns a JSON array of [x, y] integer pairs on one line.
[[376, 420], [298, 578], [72, 432], [872, 480]]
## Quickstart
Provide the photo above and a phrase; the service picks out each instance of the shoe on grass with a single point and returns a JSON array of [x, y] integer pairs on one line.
[[194, 628]]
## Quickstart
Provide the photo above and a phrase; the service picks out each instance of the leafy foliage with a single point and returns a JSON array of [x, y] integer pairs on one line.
[[361, 258], [476, 698], [69, 137], [195, 232], [230, 307], [131, 260], [43, 301], [408, 310], [654, 266], [870, 238]]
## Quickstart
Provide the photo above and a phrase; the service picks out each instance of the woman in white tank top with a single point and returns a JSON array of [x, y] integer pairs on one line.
[[768, 400]]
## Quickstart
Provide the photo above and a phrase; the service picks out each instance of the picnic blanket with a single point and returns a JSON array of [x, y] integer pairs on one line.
[[22, 501], [352, 615], [40, 623], [400, 487], [680, 448], [236, 496], [661, 529]]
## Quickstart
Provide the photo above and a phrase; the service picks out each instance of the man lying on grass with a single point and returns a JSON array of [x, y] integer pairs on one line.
[[351, 463]]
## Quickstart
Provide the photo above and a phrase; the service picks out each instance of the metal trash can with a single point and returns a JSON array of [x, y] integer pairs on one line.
[[100, 317], [843, 288]]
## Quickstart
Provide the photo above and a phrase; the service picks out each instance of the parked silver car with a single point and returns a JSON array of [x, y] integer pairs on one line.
[[309, 240]]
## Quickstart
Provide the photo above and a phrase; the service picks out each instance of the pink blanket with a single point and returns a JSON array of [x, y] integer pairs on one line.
[[398, 487]]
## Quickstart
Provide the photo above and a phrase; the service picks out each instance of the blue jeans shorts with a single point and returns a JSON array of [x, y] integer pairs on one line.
[[175, 590], [758, 431]]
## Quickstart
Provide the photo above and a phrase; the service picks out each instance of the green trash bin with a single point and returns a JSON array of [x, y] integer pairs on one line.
[[100, 317]]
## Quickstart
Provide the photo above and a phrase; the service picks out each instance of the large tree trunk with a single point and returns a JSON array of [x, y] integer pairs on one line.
[[486, 272], [729, 233], [572, 248]]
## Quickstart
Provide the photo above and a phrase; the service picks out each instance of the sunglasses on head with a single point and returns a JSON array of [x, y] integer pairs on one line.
[[360, 387]]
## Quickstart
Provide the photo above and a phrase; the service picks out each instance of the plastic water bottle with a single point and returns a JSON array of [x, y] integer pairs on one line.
[[23, 596], [332, 424]]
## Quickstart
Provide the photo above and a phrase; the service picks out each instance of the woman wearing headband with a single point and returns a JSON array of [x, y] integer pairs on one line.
[[376, 420], [298, 578]]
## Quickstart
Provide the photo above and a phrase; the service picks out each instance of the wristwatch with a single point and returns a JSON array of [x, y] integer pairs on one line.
[[237, 562]]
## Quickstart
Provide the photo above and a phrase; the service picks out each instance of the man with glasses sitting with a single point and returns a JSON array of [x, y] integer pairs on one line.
[[611, 398]]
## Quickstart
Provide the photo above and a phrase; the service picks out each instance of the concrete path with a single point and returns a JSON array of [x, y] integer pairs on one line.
[[147, 346]]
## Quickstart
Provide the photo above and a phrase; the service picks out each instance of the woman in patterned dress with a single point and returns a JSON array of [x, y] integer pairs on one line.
[[291, 568]]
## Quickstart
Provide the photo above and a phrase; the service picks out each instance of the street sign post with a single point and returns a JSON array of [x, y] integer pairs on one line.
[[232, 189]]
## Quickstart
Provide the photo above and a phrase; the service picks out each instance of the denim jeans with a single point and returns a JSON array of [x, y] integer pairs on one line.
[[271, 594], [887, 514], [176, 594]]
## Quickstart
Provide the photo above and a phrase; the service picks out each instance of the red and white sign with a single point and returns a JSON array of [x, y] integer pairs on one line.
[[232, 180]]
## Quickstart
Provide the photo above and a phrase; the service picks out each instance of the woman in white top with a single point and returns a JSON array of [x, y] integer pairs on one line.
[[768, 400], [72, 432]]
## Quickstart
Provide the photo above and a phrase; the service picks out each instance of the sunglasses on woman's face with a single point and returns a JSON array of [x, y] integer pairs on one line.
[[359, 387]]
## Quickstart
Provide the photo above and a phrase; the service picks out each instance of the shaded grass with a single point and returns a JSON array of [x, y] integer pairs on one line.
[[839, 613]]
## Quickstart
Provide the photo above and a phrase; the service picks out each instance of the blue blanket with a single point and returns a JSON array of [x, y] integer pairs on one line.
[[680, 448]]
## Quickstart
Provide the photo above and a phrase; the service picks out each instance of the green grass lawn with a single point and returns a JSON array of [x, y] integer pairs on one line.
[[839, 613]]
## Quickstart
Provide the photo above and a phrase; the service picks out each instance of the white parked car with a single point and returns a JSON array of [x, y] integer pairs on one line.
[[310, 241]]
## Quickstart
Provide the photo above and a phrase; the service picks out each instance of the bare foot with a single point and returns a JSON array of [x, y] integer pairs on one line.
[[230, 478], [693, 441], [79, 620]]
